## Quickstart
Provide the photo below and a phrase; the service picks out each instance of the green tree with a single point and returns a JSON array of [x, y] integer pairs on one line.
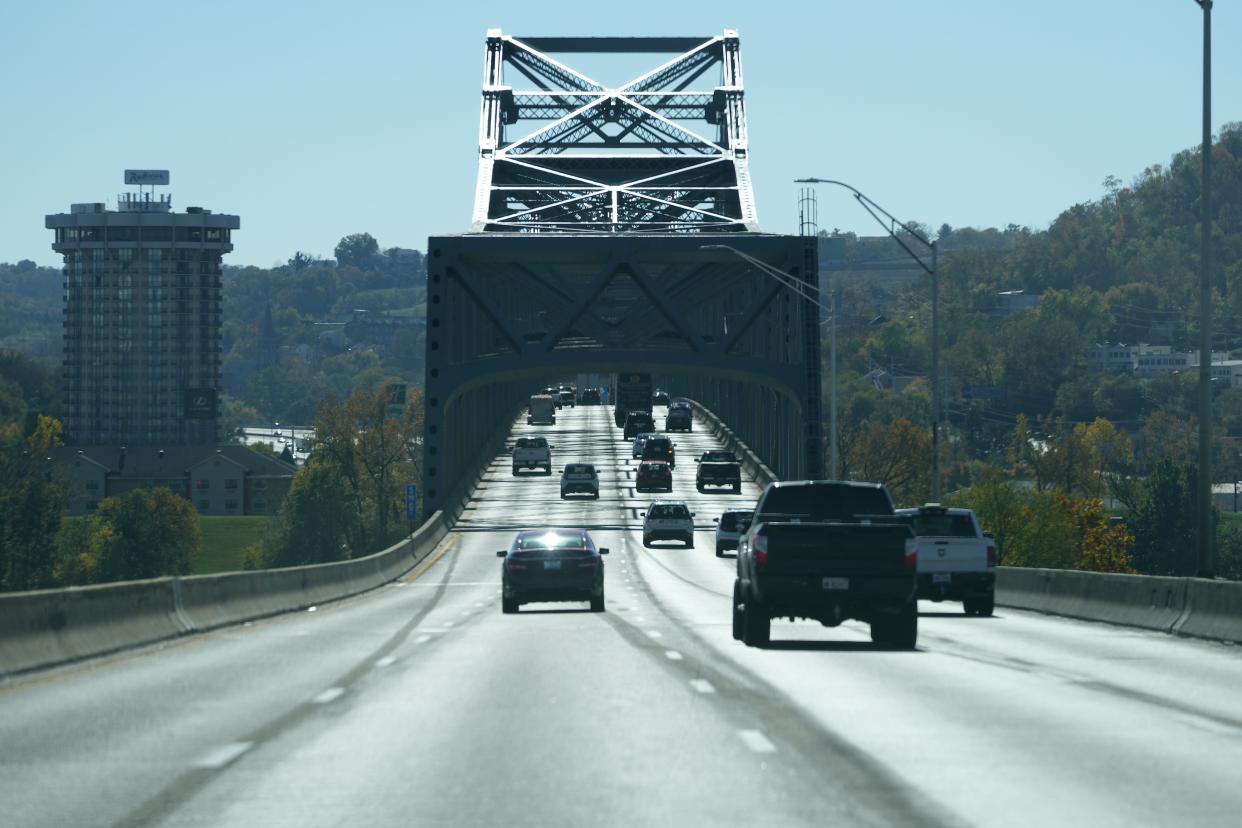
[[358, 250], [1164, 524], [315, 523], [32, 501], [146, 533]]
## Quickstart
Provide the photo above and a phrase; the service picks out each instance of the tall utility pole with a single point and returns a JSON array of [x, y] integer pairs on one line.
[[808, 225], [876, 211], [1207, 568]]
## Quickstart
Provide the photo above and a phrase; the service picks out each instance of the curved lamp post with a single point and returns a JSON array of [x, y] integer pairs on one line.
[[876, 212]]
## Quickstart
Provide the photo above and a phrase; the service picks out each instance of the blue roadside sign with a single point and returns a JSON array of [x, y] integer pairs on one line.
[[411, 502]]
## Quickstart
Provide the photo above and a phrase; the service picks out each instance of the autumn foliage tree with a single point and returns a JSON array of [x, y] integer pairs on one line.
[[348, 500]]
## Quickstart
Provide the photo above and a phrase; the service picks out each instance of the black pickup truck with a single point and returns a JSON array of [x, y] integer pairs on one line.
[[829, 551], [718, 468]]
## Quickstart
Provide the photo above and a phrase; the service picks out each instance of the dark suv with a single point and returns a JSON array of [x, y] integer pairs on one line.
[[660, 448], [636, 422], [678, 419], [589, 397]]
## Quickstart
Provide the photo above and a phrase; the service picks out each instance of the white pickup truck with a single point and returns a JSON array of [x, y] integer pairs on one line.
[[956, 560], [532, 453]]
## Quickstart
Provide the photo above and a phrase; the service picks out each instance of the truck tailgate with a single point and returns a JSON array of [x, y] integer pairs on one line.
[[835, 549], [952, 554]]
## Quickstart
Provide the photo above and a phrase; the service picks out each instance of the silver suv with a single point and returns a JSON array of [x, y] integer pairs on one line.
[[668, 520], [579, 478], [730, 526]]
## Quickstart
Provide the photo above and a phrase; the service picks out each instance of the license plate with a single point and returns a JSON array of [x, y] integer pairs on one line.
[[942, 577], [836, 583], [548, 565]]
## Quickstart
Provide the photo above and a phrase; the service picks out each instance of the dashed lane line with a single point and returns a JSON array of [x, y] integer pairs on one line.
[[756, 741], [329, 695], [217, 758]]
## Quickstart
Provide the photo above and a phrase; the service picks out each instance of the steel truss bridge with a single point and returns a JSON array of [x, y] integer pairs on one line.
[[612, 237]]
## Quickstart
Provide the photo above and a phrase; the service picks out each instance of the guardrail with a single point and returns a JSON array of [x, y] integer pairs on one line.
[[45, 628], [752, 464], [1181, 606]]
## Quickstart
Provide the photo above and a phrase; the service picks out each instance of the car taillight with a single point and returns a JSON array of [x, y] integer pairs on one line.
[[991, 555], [912, 553], [516, 564], [759, 549]]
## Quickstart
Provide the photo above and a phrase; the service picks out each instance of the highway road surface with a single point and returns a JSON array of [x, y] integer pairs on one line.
[[421, 704]]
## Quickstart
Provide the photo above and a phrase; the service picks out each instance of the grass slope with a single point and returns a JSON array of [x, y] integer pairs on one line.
[[224, 538]]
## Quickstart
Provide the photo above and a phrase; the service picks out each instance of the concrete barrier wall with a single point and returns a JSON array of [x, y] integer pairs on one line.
[[45, 628], [1214, 610], [752, 464], [1183, 606]]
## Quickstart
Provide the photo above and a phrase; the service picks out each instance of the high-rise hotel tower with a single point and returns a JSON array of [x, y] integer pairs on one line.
[[142, 318]]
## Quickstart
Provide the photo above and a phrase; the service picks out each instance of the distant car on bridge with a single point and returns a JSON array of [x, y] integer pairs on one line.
[[653, 475], [668, 520]]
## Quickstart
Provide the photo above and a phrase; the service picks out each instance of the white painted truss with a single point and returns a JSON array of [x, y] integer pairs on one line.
[[650, 156]]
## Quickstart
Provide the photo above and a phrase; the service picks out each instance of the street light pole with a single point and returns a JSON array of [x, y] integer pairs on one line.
[[1206, 564], [876, 210]]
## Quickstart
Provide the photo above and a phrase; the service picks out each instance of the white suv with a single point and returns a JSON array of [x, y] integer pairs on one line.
[[579, 478], [668, 520]]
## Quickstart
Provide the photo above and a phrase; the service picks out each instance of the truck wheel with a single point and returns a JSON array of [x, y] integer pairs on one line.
[[699, 486], [985, 606], [737, 610], [508, 605], [756, 626], [597, 602], [689, 541], [737, 487], [898, 632], [719, 551], [515, 470]]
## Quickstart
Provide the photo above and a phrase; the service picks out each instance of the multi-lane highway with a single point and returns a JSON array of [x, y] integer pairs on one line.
[[421, 704]]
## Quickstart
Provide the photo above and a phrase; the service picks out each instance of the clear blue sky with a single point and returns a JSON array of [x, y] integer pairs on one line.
[[314, 120]]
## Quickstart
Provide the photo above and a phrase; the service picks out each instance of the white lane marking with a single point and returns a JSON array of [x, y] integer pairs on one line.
[[452, 584], [386, 661], [672, 655], [422, 639], [756, 741], [465, 612], [702, 685], [448, 623], [311, 609], [329, 695], [655, 634], [478, 603], [217, 758]]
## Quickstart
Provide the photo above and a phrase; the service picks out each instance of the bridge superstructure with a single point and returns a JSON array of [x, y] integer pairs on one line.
[[663, 151], [612, 236]]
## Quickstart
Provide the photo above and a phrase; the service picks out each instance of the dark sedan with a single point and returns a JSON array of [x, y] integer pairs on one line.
[[653, 476], [552, 565]]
